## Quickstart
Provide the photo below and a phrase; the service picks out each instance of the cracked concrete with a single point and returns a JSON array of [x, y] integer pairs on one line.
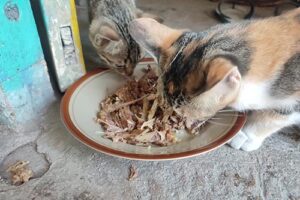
[[77, 172], [38, 162], [73, 171]]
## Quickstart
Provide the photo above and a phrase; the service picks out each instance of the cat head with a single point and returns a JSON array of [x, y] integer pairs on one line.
[[195, 84], [120, 52]]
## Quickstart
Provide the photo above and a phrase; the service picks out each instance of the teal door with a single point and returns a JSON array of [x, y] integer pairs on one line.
[[24, 81]]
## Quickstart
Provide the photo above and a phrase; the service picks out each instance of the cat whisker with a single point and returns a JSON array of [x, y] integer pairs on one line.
[[162, 74], [227, 111], [143, 57], [206, 118], [217, 123], [129, 78], [230, 115], [100, 132], [216, 118]]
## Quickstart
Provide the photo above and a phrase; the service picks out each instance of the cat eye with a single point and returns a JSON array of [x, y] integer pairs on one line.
[[103, 42]]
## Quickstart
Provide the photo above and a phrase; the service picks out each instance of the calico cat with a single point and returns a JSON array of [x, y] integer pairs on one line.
[[250, 66], [109, 35]]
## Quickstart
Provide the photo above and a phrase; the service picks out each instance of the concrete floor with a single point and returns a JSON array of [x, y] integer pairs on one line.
[[65, 169]]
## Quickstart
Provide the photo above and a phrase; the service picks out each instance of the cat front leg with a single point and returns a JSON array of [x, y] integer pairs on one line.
[[260, 125]]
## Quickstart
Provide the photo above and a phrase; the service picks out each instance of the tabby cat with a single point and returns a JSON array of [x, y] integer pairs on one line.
[[248, 66], [109, 35]]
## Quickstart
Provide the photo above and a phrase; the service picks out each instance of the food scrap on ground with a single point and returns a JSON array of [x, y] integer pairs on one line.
[[136, 114], [132, 173], [20, 172]]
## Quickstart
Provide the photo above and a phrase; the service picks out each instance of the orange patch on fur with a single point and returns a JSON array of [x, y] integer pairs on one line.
[[171, 88], [167, 52], [194, 81], [275, 41], [216, 70], [192, 46], [166, 58], [296, 94], [173, 36]]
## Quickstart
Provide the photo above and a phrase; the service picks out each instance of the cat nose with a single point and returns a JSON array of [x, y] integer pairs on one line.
[[129, 70]]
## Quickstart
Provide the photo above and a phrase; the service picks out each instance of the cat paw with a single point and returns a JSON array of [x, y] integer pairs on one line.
[[245, 142], [237, 141]]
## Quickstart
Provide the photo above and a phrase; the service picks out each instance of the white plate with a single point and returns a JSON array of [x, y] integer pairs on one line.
[[81, 103]]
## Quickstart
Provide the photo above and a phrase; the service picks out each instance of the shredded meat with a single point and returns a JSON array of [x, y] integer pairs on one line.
[[20, 173], [135, 114], [132, 173]]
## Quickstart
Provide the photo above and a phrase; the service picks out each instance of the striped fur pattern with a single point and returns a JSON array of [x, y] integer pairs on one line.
[[253, 65], [109, 33]]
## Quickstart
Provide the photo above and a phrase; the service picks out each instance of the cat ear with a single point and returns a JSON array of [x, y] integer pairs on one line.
[[216, 70], [108, 33], [233, 78], [101, 35], [227, 88], [152, 35]]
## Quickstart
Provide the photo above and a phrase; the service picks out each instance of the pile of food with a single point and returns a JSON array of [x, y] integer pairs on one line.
[[20, 173], [136, 114]]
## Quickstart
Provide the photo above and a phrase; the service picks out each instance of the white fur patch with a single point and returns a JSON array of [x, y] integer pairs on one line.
[[251, 137], [245, 142], [251, 145], [238, 140], [294, 118], [256, 96]]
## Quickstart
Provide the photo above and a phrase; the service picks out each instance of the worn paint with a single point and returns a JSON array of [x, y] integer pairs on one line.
[[33, 94], [11, 11], [76, 33], [25, 88], [20, 45], [6, 115], [57, 15]]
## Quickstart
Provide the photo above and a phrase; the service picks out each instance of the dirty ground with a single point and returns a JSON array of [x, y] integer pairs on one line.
[[65, 169]]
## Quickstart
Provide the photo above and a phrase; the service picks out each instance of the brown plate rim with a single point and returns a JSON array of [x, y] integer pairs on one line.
[[66, 118]]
